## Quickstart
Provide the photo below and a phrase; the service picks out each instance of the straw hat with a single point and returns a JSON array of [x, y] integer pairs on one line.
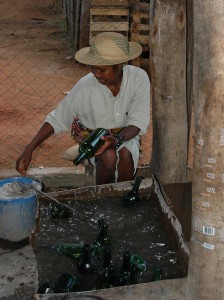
[[108, 48]]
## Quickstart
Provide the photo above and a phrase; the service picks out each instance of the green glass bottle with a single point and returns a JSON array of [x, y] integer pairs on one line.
[[139, 262], [121, 280], [86, 263], [103, 237], [107, 256], [46, 288], [133, 196], [101, 279], [111, 276], [59, 211], [90, 145], [134, 274], [126, 265], [73, 250], [66, 283], [157, 273], [96, 252], [126, 278]]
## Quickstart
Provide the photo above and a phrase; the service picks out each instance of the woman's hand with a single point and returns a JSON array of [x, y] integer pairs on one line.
[[110, 142], [23, 162]]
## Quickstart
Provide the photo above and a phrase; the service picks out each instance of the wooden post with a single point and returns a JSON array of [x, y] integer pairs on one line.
[[84, 24], [168, 77], [139, 32], [206, 276], [135, 25], [189, 59]]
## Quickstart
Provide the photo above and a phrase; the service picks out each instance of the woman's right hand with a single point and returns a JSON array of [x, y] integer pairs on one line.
[[23, 162]]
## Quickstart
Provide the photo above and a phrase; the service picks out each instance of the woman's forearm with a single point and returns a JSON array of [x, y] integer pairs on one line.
[[129, 132], [45, 132]]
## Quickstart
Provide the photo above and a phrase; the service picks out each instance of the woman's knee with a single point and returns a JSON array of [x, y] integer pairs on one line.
[[125, 165], [107, 160], [125, 156]]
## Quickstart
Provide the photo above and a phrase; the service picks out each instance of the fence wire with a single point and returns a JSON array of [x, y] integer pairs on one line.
[[38, 40]]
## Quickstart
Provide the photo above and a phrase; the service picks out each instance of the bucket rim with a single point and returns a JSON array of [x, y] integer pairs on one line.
[[25, 180]]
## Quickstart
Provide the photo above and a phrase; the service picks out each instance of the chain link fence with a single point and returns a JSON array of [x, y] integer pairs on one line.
[[38, 40]]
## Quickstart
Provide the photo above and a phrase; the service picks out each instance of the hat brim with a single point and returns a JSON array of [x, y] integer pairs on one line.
[[85, 57]]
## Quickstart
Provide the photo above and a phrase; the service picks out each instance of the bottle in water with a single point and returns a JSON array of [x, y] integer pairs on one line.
[[133, 196]]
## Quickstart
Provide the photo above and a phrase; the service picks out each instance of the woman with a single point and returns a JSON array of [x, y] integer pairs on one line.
[[114, 96]]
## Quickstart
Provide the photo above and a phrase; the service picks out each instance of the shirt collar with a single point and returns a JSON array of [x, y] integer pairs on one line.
[[122, 87]]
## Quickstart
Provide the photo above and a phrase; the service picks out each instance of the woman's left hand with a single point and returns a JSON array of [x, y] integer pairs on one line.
[[110, 142]]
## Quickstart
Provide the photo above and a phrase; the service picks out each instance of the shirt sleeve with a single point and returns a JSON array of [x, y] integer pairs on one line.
[[62, 117], [139, 110]]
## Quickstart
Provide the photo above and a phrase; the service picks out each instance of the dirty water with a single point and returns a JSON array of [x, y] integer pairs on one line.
[[137, 229]]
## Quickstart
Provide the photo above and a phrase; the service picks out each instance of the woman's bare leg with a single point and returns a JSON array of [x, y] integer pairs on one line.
[[105, 167], [125, 165]]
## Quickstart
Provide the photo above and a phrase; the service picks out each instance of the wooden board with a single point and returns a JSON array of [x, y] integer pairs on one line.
[[108, 19], [137, 5], [109, 12], [109, 26], [112, 3], [139, 32], [140, 28], [144, 7]]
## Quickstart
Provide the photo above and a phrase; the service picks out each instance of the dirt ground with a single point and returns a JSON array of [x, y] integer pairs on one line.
[[37, 68]]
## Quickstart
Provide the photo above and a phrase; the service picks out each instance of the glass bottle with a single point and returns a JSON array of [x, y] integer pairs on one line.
[[126, 266], [86, 264], [121, 280], [66, 283], [103, 237], [132, 197], [111, 276], [126, 279], [59, 211], [107, 256], [139, 262], [90, 145], [46, 288], [101, 242], [73, 250], [101, 279], [96, 252], [134, 274], [157, 272]]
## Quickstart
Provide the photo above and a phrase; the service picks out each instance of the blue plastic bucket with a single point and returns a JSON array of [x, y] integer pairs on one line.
[[18, 211]]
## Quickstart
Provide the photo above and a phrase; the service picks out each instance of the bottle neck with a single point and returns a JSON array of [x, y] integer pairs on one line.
[[102, 235], [127, 261], [134, 274], [107, 257], [156, 274], [86, 253], [79, 158], [136, 184]]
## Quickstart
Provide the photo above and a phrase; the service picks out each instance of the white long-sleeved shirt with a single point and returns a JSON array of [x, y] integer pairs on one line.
[[96, 106]]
